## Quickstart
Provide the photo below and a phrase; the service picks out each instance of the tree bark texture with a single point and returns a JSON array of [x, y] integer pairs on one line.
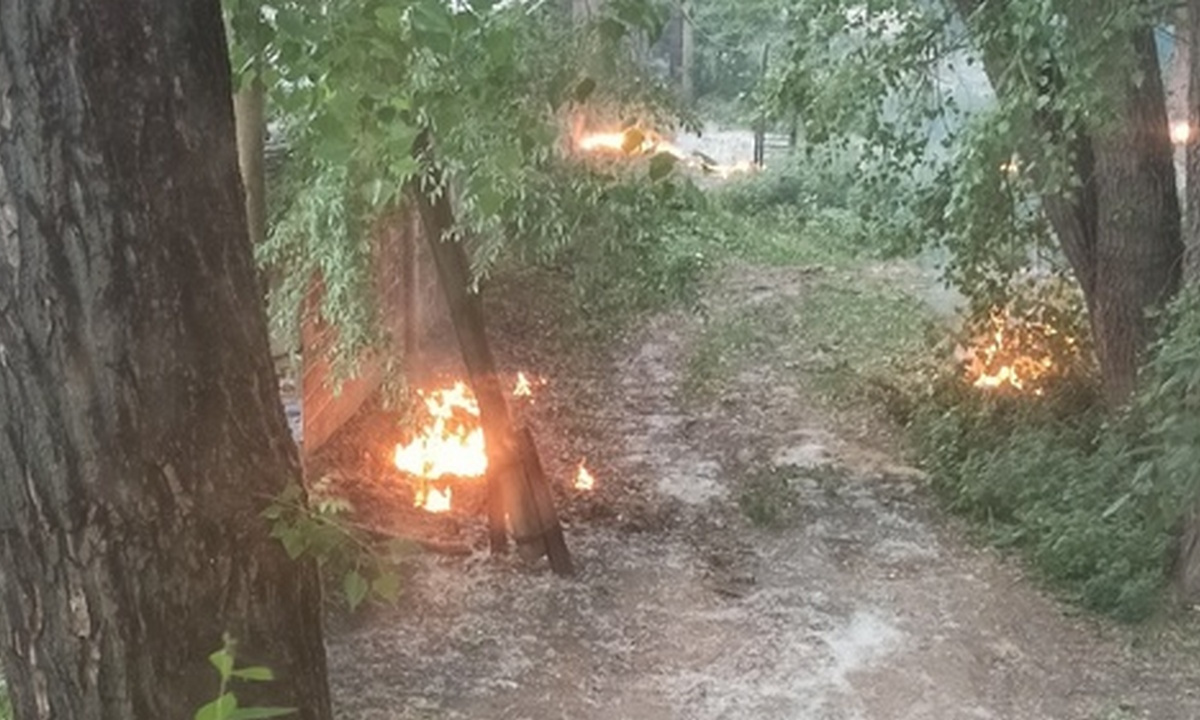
[[1192, 235], [141, 433], [1120, 229]]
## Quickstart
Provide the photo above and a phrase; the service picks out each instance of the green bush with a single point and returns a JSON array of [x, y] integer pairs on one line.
[[1093, 500], [804, 183], [634, 244], [829, 191], [1064, 492]]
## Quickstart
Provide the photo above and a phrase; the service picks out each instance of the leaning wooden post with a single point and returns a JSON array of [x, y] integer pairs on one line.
[[514, 487]]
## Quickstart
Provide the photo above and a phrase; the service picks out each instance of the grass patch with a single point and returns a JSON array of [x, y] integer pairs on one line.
[[841, 333], [727, 341], [1060, 494], [863, 327], [768, 497], [782, 236]]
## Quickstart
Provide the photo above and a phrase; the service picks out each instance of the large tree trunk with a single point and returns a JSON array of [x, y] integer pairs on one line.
[[1120, 229], [141, 433], [1187, 567], [1136, 255], [1192, 235]]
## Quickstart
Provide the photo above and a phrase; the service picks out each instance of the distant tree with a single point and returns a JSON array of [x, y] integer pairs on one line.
[[1118, 219], [141, 433], [1078, 117]]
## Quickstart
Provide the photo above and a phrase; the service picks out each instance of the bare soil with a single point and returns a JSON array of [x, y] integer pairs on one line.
[[860, 599]]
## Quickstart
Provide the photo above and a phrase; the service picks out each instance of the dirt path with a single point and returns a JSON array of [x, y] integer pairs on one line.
[[855, 600]]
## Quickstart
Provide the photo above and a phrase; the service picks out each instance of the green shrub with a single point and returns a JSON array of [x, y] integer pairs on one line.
[[804, 183], [1092, 499], [1064, 492], [635, 246]]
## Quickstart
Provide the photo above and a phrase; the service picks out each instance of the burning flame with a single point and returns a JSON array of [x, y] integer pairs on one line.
[[631, 141], [1012, 353], [450, 444], [636, 141], [584, 479], [523, 387], [430, 499], [1181, 132]]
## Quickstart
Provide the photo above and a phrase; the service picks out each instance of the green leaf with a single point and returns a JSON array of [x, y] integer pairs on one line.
[[387, 586], [433, 26], [256, 673], [611, 30], [255, 713], [584, 90], [355, 586], [661, 165], [222, 660], [220, 709], [294, 541], [489, 201]]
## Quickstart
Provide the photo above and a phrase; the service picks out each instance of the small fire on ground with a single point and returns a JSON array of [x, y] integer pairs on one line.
[[1015, 353], [584, 479], [448, 447], [636, 141]]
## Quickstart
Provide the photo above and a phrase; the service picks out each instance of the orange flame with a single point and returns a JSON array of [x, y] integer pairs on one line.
[[638, 141], [1012, 353], [450, 444], [430, 499], [631, 141], [584, 479]]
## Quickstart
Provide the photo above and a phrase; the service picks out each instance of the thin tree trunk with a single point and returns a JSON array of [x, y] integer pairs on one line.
[[1138, 250], [1192, 236], [687, 53], [409, 236], [141, 433], [1187, 567]]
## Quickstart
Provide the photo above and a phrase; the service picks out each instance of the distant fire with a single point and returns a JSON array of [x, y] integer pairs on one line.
[[637, 141], [523, 387], [630, 141], [1013, 353], [584, 479]]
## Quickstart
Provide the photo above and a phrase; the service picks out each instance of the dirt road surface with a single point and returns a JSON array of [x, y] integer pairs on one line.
[[859, 600]]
